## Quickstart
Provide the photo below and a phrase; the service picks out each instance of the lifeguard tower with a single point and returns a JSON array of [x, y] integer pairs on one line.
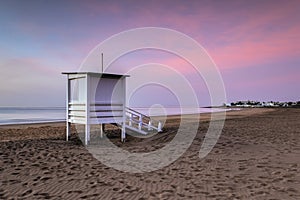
[[100, 98]]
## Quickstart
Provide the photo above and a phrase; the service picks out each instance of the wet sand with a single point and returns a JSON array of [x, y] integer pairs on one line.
[[256, 157]]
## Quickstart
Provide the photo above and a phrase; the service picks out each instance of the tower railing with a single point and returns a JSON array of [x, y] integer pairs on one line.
[[141, 122]]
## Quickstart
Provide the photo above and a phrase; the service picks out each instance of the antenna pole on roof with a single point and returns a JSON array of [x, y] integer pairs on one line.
[[102, 61]]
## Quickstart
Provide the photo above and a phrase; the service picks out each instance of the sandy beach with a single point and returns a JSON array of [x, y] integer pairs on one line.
[[256, 157]]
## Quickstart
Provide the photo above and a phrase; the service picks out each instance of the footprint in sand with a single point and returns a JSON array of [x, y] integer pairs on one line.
[[44, 195], [27, 192]]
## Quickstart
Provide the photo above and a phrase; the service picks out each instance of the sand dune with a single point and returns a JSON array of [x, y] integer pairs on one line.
[[256, 157]]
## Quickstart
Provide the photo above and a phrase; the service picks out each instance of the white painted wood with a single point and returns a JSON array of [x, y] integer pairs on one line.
[[123, 134], [123, 95], [159, 127], [140, 122], [101, 130], [149, 125], [109, 120], [87, 109], [77, 108], [77, 113], [101, 108], [76, 76], [77, 120], [96, 114], [95, 98], [130, 119], [77, 103], [67, 108]]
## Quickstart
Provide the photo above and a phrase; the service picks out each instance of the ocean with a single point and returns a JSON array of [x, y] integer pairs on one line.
[[26, 115]]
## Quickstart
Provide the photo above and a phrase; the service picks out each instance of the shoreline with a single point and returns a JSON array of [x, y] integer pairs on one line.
[[229, 113], [30, 121], [59, 122]]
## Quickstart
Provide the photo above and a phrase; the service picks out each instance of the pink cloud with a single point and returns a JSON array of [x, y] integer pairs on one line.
[[276, 46], [234, 41], [263, 36]]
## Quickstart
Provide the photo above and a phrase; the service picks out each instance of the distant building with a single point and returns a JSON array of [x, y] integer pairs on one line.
[[263, 104]]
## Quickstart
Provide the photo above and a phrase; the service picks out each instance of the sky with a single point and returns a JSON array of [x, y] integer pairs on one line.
[[254, 44]]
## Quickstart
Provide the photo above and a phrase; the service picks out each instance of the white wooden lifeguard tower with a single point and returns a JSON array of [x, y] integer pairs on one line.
[[100, 98]]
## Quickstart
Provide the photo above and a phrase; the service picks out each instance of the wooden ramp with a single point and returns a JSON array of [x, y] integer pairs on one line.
[[140, 123]]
